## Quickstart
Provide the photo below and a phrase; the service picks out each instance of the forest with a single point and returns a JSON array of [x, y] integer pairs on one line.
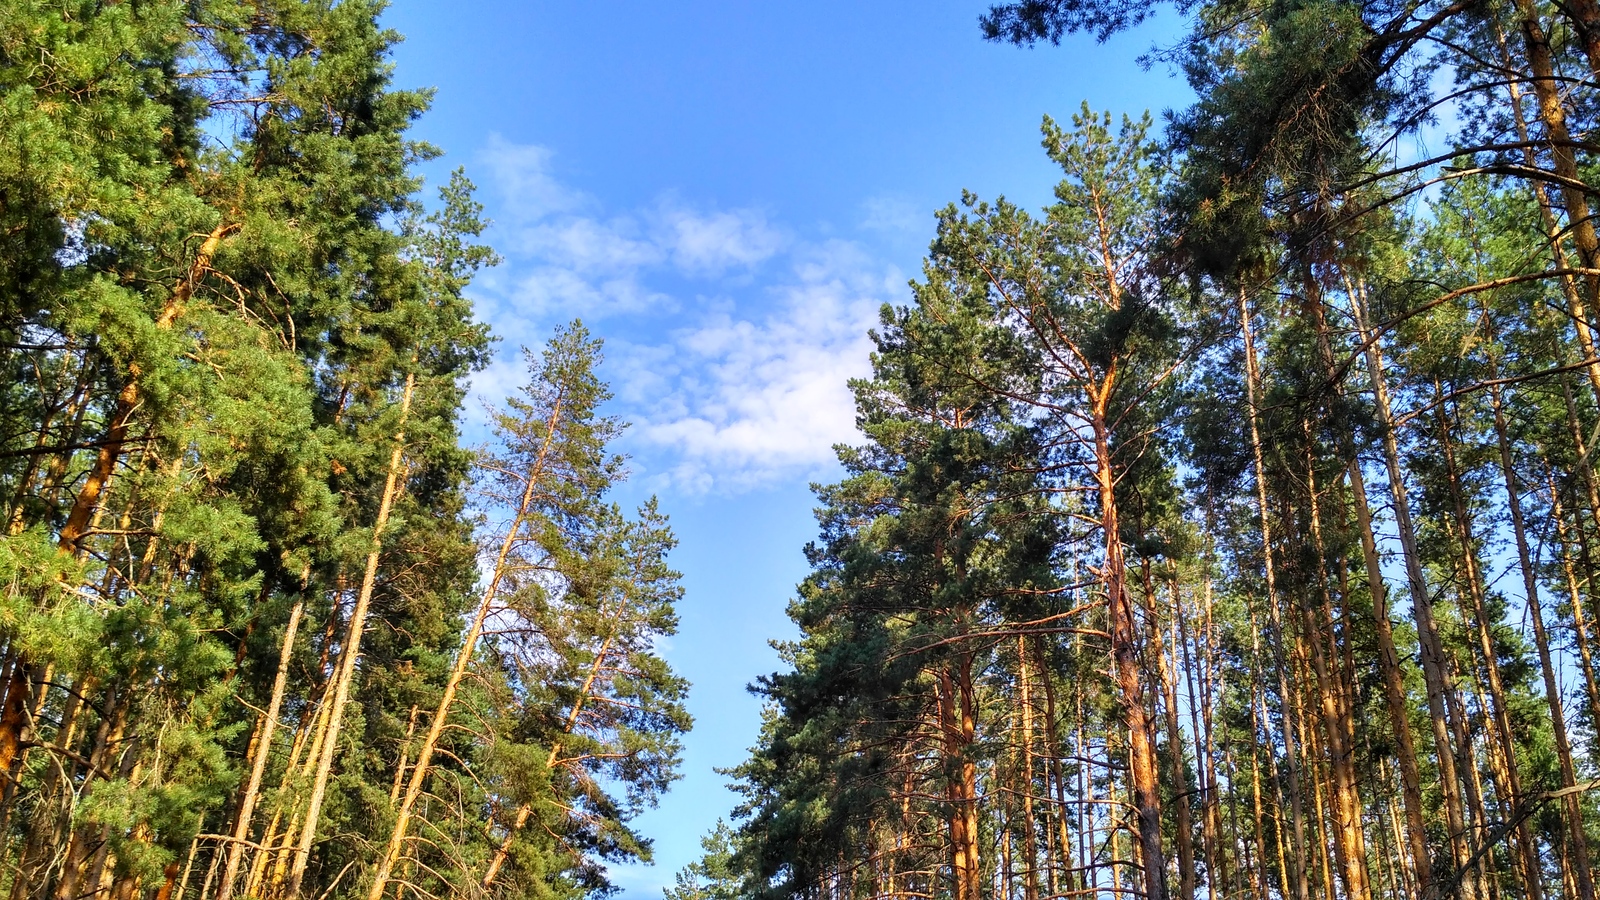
[[1227, 528], [270, 627]]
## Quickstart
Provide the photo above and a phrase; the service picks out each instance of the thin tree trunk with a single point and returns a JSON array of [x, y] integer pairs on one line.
[[1408, 880], [1339, 731], [584, 694], [1573, 821], [85, 843], [1291, 749], [351, 651], [1087, 841], [1314, 752], [469, 645], [1200, 727], [258, 766], [1280, 803], [1256, 733], [1435, 666], [1180, 786], [1574, 593], [1030, 848], [1394, 691], [1479, 614], [405, 751], [1058, 776]]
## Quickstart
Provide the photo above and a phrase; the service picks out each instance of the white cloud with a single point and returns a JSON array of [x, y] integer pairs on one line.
[[716, 242], [551, 293], [521, 174], [587, 245], [734, 387], [571, 260], [895, 216], [752, 400]]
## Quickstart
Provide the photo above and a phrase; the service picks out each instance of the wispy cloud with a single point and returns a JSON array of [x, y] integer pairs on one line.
[[730, 340], [754, 399], [714, 243], [521, 174], [894, 216]]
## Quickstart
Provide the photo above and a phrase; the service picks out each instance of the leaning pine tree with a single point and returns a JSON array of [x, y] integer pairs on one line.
[[550, 472]]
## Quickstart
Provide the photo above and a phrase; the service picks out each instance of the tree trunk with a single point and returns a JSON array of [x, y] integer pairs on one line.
[[956, 727], [1182, 817], [1573, 821], [84, 843], [1074, 878], [469, 645], [1479, 614], [1200, 719], [1546, 90], [1388, 655], [116, 438], [584, 695], [1025, 783], [1435, 666], [1257, 730], [1554, 233], [258, 766], [1574, 593], [351, 651], [14, 715], [1393, 691], [1338, 729], [1301, 884], [1143, 770]]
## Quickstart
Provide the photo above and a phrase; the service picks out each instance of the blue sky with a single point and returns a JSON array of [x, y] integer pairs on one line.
[[727, 192]]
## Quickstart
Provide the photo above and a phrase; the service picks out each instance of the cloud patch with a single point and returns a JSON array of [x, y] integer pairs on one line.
[[751, 400], [521, 174], [730, 340], [714, 243]]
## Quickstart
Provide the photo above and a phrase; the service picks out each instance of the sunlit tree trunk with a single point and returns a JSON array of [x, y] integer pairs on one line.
[[1435, 667], [1573, 821], [1025, 769], [1479, 615], [1143, 770], [1338, 729], [957, 725], [258, 766], [350, 652], [1546, 90], [419, 773]]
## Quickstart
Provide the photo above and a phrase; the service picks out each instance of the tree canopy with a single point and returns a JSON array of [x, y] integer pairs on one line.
[[1224, 529], [243, 536]]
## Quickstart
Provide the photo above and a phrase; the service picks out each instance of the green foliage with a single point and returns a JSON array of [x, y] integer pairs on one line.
[[713, 876], [1303, 363], [223, 305]]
